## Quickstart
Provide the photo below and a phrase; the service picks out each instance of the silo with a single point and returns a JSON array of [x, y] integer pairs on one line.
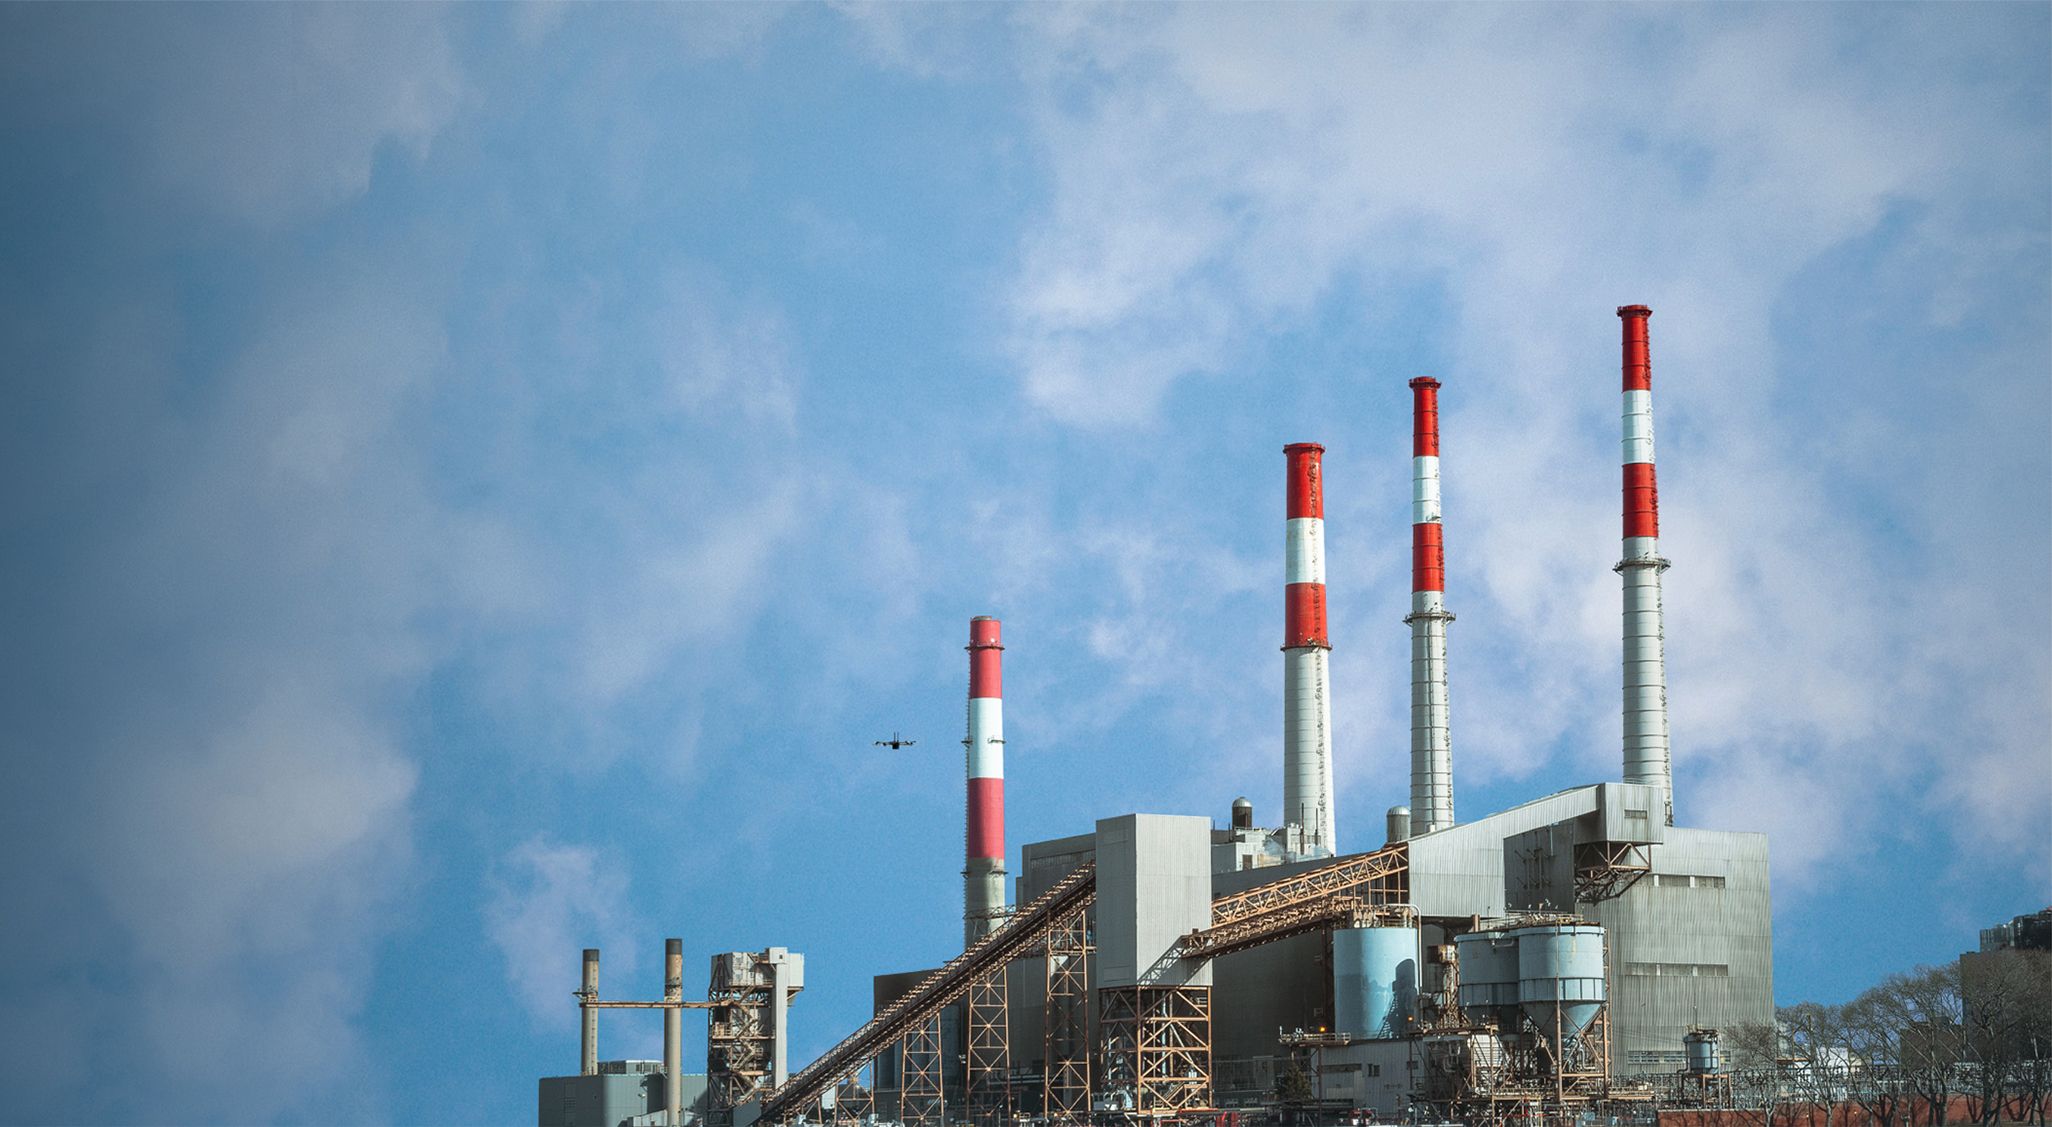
[[1374, 980], [1701, 1045], [1488, 962], [1560, 976]]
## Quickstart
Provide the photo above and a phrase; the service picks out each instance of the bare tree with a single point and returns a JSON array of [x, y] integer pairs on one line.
[[2007, 1027]]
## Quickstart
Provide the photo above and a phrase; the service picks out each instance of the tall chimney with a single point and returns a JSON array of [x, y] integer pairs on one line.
[[1432, 804], [673, 1029], [1645, 658], [1307, 697], [588, 1055], [983, 878]]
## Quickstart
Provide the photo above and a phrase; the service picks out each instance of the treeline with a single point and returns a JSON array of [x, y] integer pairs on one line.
[[1966, 1042]]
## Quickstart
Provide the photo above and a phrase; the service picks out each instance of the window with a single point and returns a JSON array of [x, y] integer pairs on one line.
[[1678, 970], [1686, 880]]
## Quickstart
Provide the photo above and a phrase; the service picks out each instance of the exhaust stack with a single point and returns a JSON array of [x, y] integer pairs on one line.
[[1432, 804], [587, 1054], [673, 1029], [1307, 697], [1645, 657], [983, 877]]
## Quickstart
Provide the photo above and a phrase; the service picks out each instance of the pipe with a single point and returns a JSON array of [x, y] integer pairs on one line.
[[673, 1030], [1307, 695], [588, 1057], [983, 875], [1645, 658], [1432, 803]]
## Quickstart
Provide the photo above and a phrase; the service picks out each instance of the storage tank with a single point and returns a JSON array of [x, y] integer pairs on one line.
[[1374, 980], [1488, 962], [1560, 976], [1701, 1046]]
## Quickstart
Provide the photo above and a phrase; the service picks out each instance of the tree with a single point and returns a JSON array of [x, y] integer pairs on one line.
[[1292, 1087]]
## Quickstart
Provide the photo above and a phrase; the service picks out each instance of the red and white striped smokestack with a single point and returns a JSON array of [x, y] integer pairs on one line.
[[1432, 805], [1645, 656], [983, 877], [1307, 696]]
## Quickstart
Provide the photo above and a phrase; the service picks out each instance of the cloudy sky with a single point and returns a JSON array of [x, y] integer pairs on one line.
[[476, 481]]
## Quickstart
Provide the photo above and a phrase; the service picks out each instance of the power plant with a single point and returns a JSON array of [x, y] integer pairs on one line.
[[1548, 962]]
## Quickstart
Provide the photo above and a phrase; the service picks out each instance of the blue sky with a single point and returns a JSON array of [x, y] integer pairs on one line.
[[477, 479]]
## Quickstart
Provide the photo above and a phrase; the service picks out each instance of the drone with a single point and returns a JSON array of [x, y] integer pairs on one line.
[[895, 743]]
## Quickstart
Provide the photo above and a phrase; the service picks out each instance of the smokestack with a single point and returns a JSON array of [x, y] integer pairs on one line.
[[588, 1058], [983, 878], [1432, 805], [1645, 658], [1307, 697], [673, 1030]]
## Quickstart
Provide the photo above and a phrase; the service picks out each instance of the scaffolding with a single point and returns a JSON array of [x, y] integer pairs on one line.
[[1156, 1048], [1065, 1080]]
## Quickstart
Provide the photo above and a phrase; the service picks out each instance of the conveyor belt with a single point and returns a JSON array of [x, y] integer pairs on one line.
[[1378, 878], [1027, 931]]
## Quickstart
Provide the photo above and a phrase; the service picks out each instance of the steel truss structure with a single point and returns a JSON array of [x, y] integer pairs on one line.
[[1378, 878], [988, 1086], [919, 1099], [1156, 1044], [1605, 869], [739, 1042], [1065, 1082], [1028, 930], [854, 1102]]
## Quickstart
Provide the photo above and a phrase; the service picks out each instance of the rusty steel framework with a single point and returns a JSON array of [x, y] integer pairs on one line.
[[988, 1089], [1378, 878], [1155, 1042], [853, 1102], [1065, 1082], [919, 1093], [1605, 869], [739, 1042], [1027, 931]]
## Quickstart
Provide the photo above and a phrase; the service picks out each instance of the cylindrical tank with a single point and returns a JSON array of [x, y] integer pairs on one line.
[[1243, 814], [1560, 977], [1374, 980], [1398, 823], [1488, 962], [1701, 1046]]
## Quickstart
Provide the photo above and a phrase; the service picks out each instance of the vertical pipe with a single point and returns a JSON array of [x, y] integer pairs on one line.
[[588, 1058], [983, 874], [1432, 804], [673, 1030], [1307, 697], [1645, 657]]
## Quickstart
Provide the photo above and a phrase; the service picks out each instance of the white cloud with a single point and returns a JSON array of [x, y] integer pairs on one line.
[[1217, 173], [547, 902]]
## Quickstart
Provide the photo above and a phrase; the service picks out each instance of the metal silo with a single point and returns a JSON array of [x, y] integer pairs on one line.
[[1374, 980], [1701, 1045], [1488, 962], [1560, 977]]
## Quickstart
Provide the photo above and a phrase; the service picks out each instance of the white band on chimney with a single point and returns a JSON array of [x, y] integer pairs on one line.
[[1304, 551]]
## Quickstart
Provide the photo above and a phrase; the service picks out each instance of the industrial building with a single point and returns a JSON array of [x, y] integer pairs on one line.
[[1538, 962]]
